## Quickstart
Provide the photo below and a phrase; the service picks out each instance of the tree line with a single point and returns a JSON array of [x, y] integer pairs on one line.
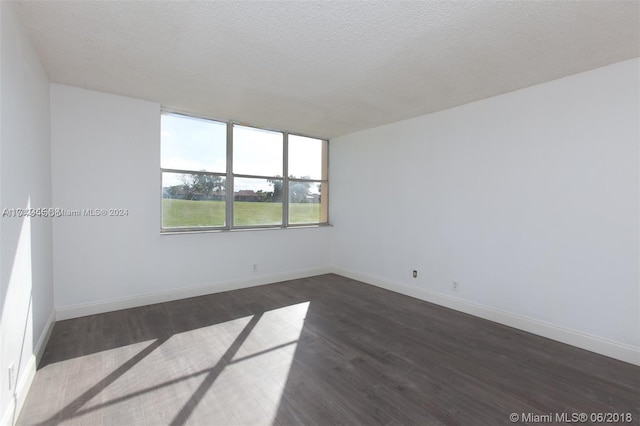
[[211, 187]]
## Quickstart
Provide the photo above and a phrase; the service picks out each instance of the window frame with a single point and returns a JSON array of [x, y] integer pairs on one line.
[[229, 177]]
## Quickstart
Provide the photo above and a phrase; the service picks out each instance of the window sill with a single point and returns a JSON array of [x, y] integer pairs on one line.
[[219, 231]]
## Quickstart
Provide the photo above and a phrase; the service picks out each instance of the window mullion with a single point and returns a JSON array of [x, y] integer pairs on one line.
[[285, 181], [229, 186]]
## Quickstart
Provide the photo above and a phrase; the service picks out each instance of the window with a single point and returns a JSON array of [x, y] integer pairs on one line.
[[307, 161], [194, 172], [218, 175], [257, 177]]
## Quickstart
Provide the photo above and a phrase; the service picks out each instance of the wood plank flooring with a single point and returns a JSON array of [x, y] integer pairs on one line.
[[315, 351]]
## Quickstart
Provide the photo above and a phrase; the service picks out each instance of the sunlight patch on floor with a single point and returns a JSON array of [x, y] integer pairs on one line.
[[261, 366], [233, 372]]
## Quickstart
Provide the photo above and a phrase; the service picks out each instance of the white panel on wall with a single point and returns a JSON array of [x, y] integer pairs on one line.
[[26, 298]]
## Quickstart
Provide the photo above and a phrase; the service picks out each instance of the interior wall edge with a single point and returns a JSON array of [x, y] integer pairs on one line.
[[616, 350]]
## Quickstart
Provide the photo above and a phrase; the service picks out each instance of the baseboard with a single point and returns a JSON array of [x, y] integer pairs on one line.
[[75, 311], [44, 337], [26, 378], [581, 340]]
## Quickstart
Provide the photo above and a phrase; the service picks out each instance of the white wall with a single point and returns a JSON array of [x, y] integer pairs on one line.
[[106, 154], [529, 200], [26, 301]]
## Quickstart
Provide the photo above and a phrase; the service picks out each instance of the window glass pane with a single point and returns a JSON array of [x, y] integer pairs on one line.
[[257, 202], [257, 152], [307, 158], [196, 144], [307, 202], [190, 200]]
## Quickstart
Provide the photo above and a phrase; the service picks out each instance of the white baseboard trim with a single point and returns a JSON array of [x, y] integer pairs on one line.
[[26, 377], [579, 339], [44, 338], [617, 350], [81, 310]]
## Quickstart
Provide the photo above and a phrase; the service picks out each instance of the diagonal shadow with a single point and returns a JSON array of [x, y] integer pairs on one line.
[[70, 410], [156, 323], [226, 359], [174, 381]]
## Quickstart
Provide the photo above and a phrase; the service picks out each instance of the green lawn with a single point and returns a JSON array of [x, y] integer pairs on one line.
[[304, 213], [186, 213], [177, 213], [248, 213]]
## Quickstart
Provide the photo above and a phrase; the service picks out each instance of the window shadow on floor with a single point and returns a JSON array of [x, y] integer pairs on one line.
[[153, 335], [319, 350]]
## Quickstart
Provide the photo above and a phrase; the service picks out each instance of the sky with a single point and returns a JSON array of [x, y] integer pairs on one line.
[[190, 143]]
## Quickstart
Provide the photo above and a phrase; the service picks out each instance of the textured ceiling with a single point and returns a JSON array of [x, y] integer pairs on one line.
[[324, 68]]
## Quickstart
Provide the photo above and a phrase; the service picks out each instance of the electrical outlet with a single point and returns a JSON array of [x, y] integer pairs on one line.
[[255, 267], [454, 285], [415, 274]]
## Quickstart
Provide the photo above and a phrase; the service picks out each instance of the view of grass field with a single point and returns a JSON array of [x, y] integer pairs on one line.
[[188, 213]]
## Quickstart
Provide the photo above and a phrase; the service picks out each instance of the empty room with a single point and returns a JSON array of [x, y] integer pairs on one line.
[[313, 213]]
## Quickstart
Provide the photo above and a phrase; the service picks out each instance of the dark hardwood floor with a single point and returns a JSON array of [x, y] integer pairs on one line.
[[316, 351]]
